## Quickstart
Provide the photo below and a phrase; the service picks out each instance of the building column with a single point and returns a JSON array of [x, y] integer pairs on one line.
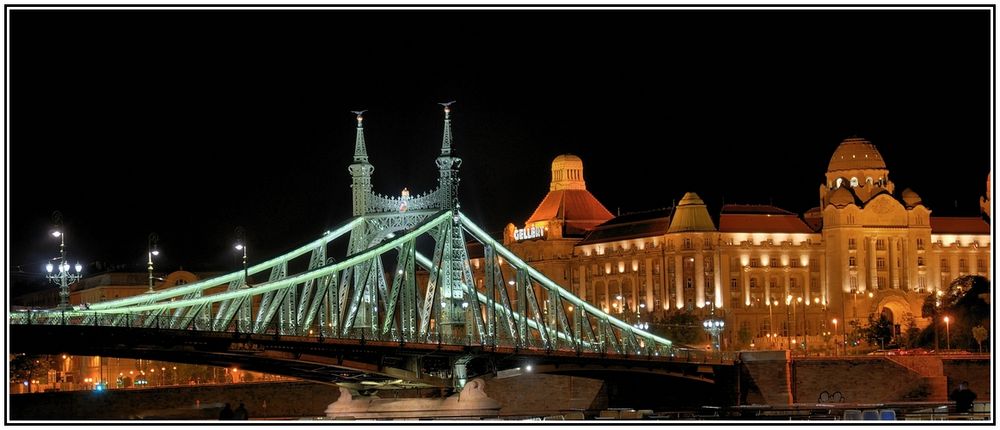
[[872, 274], [716, 270], [788, 284], [649, 284], [664, 290], [745, 274], [824, 286], [893, 270], [807, 283], [907, 280], [679, 281], [699, 280], [607, 294], [583, 284], [635, 291], [767, 284], [953, 267]]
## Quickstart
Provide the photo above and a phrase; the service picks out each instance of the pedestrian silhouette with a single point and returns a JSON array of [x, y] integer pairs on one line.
[[963, 397], [241, 413], [226, 413]]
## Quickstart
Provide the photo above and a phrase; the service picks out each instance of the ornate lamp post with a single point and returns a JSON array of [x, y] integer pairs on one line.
[[242, 246], [63, 278], [151, 251], [714, 326], [947, 330], [835, 337]]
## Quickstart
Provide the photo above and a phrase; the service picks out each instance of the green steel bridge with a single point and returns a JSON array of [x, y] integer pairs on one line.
[[401, 310]]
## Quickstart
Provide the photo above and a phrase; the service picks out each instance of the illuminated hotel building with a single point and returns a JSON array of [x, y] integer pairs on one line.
[[866, 251]]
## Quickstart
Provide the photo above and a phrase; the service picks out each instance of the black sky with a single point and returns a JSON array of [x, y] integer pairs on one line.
[[189, 123]]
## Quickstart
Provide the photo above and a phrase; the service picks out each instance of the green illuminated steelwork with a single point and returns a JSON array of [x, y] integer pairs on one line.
[[514, 305]]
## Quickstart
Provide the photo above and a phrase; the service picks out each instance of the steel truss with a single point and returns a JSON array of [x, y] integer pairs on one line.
[[388, 290]]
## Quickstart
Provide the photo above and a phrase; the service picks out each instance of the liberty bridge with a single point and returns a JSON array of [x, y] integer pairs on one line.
[[402, 310]]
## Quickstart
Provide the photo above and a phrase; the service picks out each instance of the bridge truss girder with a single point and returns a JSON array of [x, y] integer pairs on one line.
[[424, 299]]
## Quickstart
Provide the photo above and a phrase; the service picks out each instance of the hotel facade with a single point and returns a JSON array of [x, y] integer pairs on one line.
[[771, 274]]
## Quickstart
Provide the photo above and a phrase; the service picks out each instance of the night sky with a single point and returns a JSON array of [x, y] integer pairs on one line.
[[189, 123]]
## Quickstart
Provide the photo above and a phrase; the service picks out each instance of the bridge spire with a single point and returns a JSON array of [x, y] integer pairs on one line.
[[446, 139], [447, 164], [361, 171], [360, 152]]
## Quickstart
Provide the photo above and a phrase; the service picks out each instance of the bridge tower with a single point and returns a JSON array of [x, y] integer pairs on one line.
[[452, 295], [361, 170], [384, 215]]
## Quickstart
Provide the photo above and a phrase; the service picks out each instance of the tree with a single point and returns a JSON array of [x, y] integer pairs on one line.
[[911, 336], [878, 332], [744, 336], [26, 367], [682, 328], [979, 332]]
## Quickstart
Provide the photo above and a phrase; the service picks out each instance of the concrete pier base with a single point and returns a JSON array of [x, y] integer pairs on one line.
[[472, 402]]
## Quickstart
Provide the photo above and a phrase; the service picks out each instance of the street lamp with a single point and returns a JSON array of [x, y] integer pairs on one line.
[[714, 327], [770, 316], [242, 246], [835, 335], [805, 328], [151, 251], [788, 321], [947, 331], [63, 278]]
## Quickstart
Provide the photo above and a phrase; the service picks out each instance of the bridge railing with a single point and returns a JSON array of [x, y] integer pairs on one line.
[[164, 322]]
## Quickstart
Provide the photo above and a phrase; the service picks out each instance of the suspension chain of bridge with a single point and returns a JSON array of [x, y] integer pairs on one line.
[[375, 292]]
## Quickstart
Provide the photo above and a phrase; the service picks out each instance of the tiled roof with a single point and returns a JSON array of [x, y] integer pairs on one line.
[[631, 226], [754, 209], [746, 223], [691, 215], [814, 219], [855, 153], [959, 225], [579, 210]]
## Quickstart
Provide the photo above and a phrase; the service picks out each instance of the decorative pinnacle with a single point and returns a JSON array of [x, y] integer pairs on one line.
[[446, 139], [359, 113], [360, 152], [447, 109]]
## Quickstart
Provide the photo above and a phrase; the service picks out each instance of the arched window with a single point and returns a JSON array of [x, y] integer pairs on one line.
[[869, 181], [689, 283], [854, 182], [840, 182], [753, 282]]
